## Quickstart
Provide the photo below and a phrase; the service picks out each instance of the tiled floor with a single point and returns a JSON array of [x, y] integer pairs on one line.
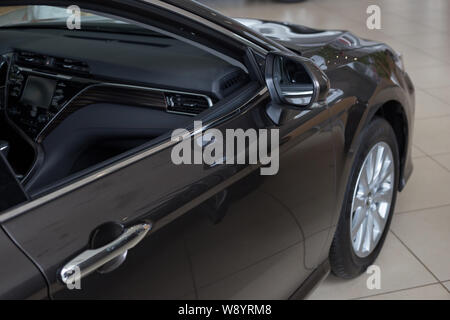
[[415, 262]]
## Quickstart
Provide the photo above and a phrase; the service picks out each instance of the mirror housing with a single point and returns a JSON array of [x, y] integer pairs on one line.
[[295, 81]]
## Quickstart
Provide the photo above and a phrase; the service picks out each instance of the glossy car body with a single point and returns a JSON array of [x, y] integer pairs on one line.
[[222, 232]]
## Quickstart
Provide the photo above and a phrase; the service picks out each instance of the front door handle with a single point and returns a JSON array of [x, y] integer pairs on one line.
[[91, 260]]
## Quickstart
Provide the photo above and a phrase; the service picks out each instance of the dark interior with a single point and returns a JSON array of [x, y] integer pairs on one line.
[[96, 94]]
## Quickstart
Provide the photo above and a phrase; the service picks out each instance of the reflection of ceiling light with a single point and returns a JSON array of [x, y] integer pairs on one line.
[[284, 32]]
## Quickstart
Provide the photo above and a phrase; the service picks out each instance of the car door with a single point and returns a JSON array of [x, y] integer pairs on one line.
[[192, 231], [19, 277]]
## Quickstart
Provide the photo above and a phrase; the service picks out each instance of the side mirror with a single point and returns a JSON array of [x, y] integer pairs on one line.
[[294, 80]]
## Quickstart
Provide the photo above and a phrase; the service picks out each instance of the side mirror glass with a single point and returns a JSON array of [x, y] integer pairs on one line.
[[294, 80]]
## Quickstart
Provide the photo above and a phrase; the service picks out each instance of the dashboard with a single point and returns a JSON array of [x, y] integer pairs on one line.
[[80, 98], [39, 96]]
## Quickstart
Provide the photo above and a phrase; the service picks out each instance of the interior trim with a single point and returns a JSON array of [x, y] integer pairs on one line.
[[92, 83], [84, 97]]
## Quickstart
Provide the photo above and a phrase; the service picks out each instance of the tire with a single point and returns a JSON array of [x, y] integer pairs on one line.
[[346, 260]]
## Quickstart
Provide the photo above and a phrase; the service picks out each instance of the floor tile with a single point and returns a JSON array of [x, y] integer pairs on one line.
[[447, 285], [416, 153], [444, 160], [393, 261], [426, 233], [395, 25], [428, 187], [414, 58], [430, 77], [439, 21], [432, 40], [431, 292], [432, 135], [442, 53], [442, 93], [428, 106]]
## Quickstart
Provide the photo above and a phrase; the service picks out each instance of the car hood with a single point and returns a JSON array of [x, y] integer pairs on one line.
[[303, 39]]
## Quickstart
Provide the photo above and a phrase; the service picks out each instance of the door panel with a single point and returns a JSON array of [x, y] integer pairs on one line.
[[19, 277], [305, 183], [11, 192], [218, 232]]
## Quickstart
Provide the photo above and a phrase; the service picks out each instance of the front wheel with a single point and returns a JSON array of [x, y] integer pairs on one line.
[[369, 202]]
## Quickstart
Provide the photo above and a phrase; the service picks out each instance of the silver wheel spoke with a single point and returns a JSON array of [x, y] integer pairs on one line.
[[369, 241], [380, 155], [364, 184], [379, 166], [382, 196], [385, 176], [362, 236], [379, 221], [386, 173], [372, 199], [358, 202], [370, 167], [360, 216]]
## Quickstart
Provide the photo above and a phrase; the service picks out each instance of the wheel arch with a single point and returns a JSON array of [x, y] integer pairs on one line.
[[394, 113]]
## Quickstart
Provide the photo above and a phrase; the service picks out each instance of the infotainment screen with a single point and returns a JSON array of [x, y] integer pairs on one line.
[[38, 92]]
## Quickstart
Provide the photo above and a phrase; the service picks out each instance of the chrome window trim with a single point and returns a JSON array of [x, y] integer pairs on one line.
[[14, 212]]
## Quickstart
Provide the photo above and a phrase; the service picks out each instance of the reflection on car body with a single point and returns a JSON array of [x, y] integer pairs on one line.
[[86, 130]]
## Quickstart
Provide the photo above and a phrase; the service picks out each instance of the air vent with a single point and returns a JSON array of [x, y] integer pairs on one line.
[[51, 63], [232, 82], [71, 65], [29, 58], [189, 104]]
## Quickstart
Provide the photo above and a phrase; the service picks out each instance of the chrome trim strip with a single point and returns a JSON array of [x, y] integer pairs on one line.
[[14, 212], [59, 76], [298, 93], [112, 84]]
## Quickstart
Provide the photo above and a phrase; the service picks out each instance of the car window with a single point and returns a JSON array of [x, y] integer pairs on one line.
[[34, 14], [78, 99]]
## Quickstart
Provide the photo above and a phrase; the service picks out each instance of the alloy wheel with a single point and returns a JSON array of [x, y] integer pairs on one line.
[[372, 199]]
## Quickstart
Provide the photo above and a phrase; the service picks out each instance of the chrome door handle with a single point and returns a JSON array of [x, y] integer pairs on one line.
[[90, 260]]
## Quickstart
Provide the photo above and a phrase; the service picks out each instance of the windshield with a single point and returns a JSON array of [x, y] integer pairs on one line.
[[38, 15], [67, 18]]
